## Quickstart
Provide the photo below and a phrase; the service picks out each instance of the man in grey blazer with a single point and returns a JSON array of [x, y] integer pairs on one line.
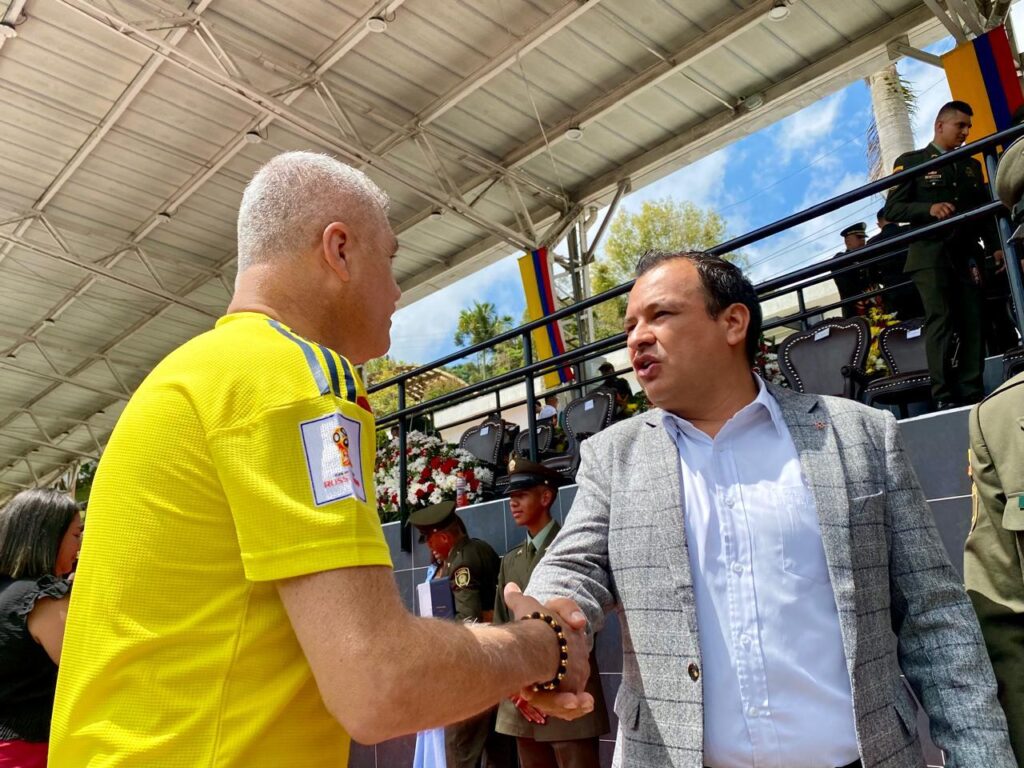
[[773, 558]]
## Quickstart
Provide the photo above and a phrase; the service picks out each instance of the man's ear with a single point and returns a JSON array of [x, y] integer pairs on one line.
[[737, 317], [335, 244]]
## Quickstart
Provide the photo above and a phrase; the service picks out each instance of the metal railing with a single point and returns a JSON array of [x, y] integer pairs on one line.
[[796, 282]]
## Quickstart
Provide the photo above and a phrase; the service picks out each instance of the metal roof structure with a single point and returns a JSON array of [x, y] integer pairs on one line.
[[128, 129]]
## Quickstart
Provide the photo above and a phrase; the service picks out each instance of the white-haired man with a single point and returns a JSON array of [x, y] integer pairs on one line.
[[234, 605]]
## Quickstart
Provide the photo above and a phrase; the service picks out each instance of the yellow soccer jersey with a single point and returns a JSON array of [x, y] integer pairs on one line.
[[245, 457]]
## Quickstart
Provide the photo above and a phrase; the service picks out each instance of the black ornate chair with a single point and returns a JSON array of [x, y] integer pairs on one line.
[[903, 348], [828, 358], [584, 417], [545, 438], [1013, 362], [485, 441]]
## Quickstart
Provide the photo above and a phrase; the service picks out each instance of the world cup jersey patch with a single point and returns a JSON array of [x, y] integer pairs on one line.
[[333, 458]]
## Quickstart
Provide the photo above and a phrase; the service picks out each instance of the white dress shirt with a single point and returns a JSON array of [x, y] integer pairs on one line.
[[776, 687]]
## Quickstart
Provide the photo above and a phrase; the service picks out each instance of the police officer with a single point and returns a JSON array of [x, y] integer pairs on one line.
[[992, 556], [471, 566], [542, 742], [947, 268], [855, 281], [904, 301]]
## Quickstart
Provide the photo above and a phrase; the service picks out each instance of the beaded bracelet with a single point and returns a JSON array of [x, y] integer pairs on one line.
[[563, 653]]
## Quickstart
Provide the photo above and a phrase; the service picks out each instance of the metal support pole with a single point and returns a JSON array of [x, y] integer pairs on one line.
[[531, 398], [1011, 257], [405, 535], [801, 305]]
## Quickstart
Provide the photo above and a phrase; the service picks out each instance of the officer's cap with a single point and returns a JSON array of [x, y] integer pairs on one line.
[[524, 474], [860, 228], [434, 517]]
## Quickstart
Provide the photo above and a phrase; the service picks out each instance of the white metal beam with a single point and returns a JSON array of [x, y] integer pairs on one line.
[[696, 141], [119, 107], [951, 24], [108, 275], [686, 56], [311, 128]]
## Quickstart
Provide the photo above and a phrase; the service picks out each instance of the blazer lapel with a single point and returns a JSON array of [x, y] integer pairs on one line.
[[814, 436], [664, 499]]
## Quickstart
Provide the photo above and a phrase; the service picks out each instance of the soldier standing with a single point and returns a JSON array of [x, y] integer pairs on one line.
[[471, 566], [947, 268], [542, 742], [992, 556]]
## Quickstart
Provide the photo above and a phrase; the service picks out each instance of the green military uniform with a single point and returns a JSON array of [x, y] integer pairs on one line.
[[941, 268], [574, 743], [856, 281], [472, 569], [993, 554]]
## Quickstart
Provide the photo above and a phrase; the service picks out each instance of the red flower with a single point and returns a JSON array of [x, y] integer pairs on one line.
[[425, 475], [435, 462], [449, 465]]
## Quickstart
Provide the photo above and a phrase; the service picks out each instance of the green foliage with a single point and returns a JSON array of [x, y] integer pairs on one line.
[[665, 225], [376, 371], [478, 323], [83, 483]]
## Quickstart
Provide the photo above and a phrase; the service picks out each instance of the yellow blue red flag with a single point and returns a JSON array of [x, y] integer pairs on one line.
[[535, 268], [981, 72]]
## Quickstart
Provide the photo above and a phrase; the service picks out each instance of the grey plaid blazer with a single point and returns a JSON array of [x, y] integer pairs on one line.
[[901, 605]]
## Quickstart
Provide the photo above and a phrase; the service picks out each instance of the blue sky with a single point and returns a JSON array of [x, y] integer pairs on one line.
[[808, 157]]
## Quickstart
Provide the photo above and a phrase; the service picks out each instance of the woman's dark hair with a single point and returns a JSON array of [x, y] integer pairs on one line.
[[31, 528], [724, 284]]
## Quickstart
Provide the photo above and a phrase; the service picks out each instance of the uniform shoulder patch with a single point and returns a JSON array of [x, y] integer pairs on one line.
[[332, 445], [461, 577]]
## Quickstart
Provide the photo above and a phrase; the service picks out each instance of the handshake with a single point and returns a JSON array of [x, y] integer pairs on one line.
[[568, 700]]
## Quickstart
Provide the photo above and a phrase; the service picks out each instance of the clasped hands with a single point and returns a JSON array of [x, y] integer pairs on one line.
[[570, 701]]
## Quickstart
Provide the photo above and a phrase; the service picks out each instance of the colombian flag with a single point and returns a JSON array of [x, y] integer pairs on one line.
[[981, 72], [535, 268]]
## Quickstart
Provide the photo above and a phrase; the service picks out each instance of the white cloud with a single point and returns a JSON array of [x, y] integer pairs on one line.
[[424, 330], [814, 240], [802, 131], [701, 183]]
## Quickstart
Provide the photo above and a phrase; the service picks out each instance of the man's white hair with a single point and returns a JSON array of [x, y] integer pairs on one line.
[[292, 198]]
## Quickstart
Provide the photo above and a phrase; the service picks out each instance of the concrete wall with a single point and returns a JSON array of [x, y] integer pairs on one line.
[[936, 444]]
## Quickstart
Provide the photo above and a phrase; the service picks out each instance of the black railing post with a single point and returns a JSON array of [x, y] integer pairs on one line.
[[405, 535], [531, 398], [1010, 256], [801, 305]]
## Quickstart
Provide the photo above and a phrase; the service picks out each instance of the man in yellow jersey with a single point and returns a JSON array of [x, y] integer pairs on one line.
[[234, 603]]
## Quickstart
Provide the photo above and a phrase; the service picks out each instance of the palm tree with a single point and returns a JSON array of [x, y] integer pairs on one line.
[[890, 133], [477, 324]]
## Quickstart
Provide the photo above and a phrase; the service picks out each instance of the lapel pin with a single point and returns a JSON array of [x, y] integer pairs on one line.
[[819, 425]]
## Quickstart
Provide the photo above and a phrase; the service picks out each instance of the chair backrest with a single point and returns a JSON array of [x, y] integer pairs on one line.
[[484, 441], [820, 359], [545, 437], [903, 347], [589, 414], [1013, 363]]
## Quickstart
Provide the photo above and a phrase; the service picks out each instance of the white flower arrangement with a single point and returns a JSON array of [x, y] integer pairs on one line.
[[432, 470]]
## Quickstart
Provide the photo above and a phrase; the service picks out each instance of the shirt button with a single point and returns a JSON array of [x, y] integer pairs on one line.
[[737, 568], [745, 639], [694, 671], [752, 712], [730, 502]]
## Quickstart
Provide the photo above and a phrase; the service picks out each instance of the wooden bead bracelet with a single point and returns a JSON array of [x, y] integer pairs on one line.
[[563, 652]]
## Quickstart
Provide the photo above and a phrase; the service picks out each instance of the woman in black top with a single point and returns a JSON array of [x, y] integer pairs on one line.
[[40, 535]]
